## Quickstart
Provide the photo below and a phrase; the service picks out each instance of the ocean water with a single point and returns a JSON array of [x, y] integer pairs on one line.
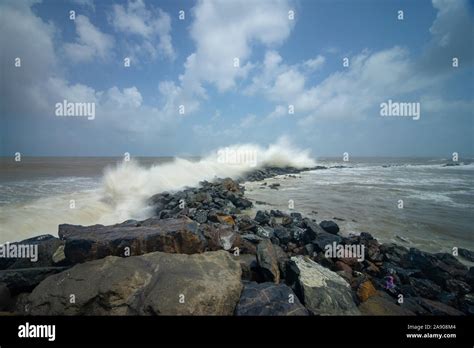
[[38, 194], [438, 201]]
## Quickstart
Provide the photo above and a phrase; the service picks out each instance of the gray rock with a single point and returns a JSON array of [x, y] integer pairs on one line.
[[282, 234], [155, 283], [323, 292], [269, 299]]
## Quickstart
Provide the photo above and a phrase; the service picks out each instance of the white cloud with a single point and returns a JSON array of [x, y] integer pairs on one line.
[[151, 26], [315, 63], [91, 43], [224, 30]]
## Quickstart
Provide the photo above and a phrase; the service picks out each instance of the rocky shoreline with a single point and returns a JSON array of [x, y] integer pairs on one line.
[[202, 254]]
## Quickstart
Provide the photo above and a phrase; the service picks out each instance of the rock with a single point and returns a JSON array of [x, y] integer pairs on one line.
[[282, 234], [470, 277], [220, 237], [26, 279], [322, 291], [312, 229], [154, 283], [393, 253], [323, 239], [365, 291], [383, 305], [230, 185], [342, 266], [5, 297], [329, 226], [246, 224], [437, 308], [438, 268], [253, 238], [309, 249], [262, 217], [179, 235], [467, 254], [226, 219], [466, 304], [267, 259], [46, 246], [296, 216], [425, 288], [457, 286], [265, 232], [269, 299], [249, 266]]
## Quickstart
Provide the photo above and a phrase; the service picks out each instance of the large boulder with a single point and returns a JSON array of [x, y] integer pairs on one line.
[[322, 291], [180, 235], [269, 299], [155, 283]]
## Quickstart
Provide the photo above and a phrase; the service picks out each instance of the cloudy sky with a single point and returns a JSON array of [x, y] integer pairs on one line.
[[284, 63]]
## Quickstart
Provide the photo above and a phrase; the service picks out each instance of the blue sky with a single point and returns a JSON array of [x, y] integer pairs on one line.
[[282, 62]]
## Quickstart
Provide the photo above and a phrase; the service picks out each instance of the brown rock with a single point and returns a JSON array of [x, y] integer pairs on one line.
[[382, 304], [226, 219], [366, 290], [179, 235], [267, 259]]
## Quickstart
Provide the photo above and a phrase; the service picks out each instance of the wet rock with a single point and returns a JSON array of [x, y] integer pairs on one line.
[[262, 217], [393, 253], [267, 259], [324, 239], [46, 246], [180, 235], [282, 234], [249, 266], [383, 305], [155, 283], [5, 297], [425, 288], [265, 232], [457, 286], [467, 254], [322, 291], [26, 279], [269, 299], [438, 268], [329, 226], [246, 224], [466, 304], [437, 308]]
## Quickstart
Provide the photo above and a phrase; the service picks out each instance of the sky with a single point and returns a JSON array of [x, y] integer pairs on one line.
[[184, 94]]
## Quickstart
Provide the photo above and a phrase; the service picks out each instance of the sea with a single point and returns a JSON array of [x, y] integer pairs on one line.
[[416, 202]]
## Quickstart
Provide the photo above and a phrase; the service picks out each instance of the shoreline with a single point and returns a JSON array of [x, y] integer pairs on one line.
[[279, 256]]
